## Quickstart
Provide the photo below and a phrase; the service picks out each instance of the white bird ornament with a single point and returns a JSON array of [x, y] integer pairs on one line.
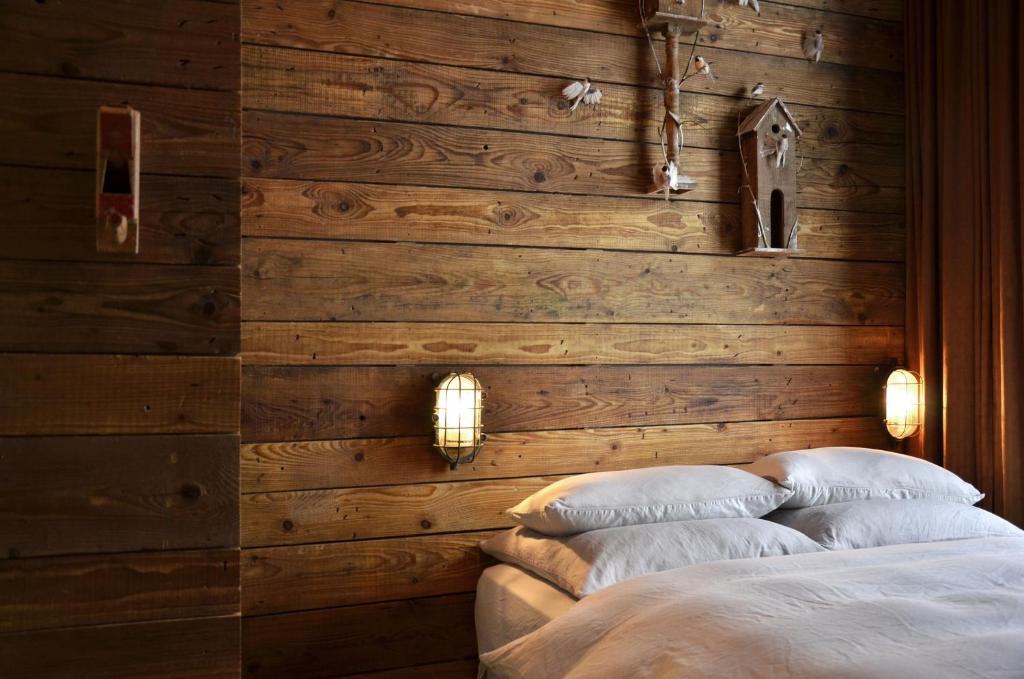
[[753, 4], [703, 67], [778, 148], [581, 91], [667, 179], [814, 45], [757, 90]]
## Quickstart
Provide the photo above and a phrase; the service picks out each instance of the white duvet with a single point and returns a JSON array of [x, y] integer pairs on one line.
[[939, 609]]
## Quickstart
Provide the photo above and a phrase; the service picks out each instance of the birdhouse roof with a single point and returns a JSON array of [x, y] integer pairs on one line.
[[756, 117]]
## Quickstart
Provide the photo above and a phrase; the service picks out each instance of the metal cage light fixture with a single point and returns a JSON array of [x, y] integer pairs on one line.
[[458, 406], [904, 403]]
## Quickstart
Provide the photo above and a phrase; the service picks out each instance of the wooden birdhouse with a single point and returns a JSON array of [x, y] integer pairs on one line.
[[682, 16], [769, 137]]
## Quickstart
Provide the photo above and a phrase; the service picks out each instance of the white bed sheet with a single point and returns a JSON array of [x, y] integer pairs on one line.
[[511, 602]]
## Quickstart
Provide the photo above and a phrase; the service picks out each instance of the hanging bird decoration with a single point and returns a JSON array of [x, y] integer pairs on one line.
[[581, 91], [753, 4], [757, 90], [814, 45], [778, 147], [703, 68]]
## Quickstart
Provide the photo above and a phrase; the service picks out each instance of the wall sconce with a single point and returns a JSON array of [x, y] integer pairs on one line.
[[903, 403], [458, 404]]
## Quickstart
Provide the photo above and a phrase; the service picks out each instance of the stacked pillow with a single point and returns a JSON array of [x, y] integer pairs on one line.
[[590, 531], [849, 498]]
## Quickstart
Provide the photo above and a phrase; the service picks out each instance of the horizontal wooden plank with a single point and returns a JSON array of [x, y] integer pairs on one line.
[[284, 466], [362, 638], [50, 214], [776, 30], [117, 588], [85, 494], [401, 33], [565, 344], [456, 669], [113, 308], [286, 280], [304, 403], [85, 394], [51, 122], [336, 515], [332, 84], [185, 43], [281, 579], [891, 10], [310, 209], [176, 649], [288, 146]]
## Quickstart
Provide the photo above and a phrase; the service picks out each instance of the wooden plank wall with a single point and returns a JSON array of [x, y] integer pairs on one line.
[[417, 199], [119, 375]]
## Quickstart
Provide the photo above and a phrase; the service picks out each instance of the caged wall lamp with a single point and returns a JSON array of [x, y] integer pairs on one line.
[[458, 405], [904, 403]]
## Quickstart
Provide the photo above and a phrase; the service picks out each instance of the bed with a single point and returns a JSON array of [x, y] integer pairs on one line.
[[882, 577]]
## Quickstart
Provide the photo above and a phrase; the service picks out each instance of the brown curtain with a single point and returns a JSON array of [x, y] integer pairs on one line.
[[965, 298]]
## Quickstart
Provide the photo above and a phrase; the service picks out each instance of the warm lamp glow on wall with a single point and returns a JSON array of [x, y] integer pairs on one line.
[[904, 403], [458, 404]]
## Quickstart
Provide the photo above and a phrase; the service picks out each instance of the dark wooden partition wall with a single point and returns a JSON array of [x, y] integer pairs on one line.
[[417, 199], [119, 375]]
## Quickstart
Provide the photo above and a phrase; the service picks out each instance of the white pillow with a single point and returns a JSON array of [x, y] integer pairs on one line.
[[821, 476], [585, 563], [653, 495], [874, 523]]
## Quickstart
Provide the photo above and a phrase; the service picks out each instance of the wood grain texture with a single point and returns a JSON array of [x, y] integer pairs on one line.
[[362, 638], [298, 465], [361, 87], [565, 344], [288, 146], [50, 214], [334, 515], [66, 394], [92, 494], [51, 122], [281, 579], [110, 308], [776, 30], [343, 210], [117, 588], [186, 43], [304, 403], [297, 281], [401, 33], [174, 649]]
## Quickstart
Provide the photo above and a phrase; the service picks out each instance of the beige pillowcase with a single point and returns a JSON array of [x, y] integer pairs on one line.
[[586, 563], [652, 495], [822, 476]]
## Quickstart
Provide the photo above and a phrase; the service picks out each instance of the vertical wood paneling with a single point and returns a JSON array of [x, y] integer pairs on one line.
[[415, 203]]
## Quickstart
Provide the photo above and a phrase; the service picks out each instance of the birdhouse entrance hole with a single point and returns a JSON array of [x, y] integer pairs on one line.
[[778, 215]]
